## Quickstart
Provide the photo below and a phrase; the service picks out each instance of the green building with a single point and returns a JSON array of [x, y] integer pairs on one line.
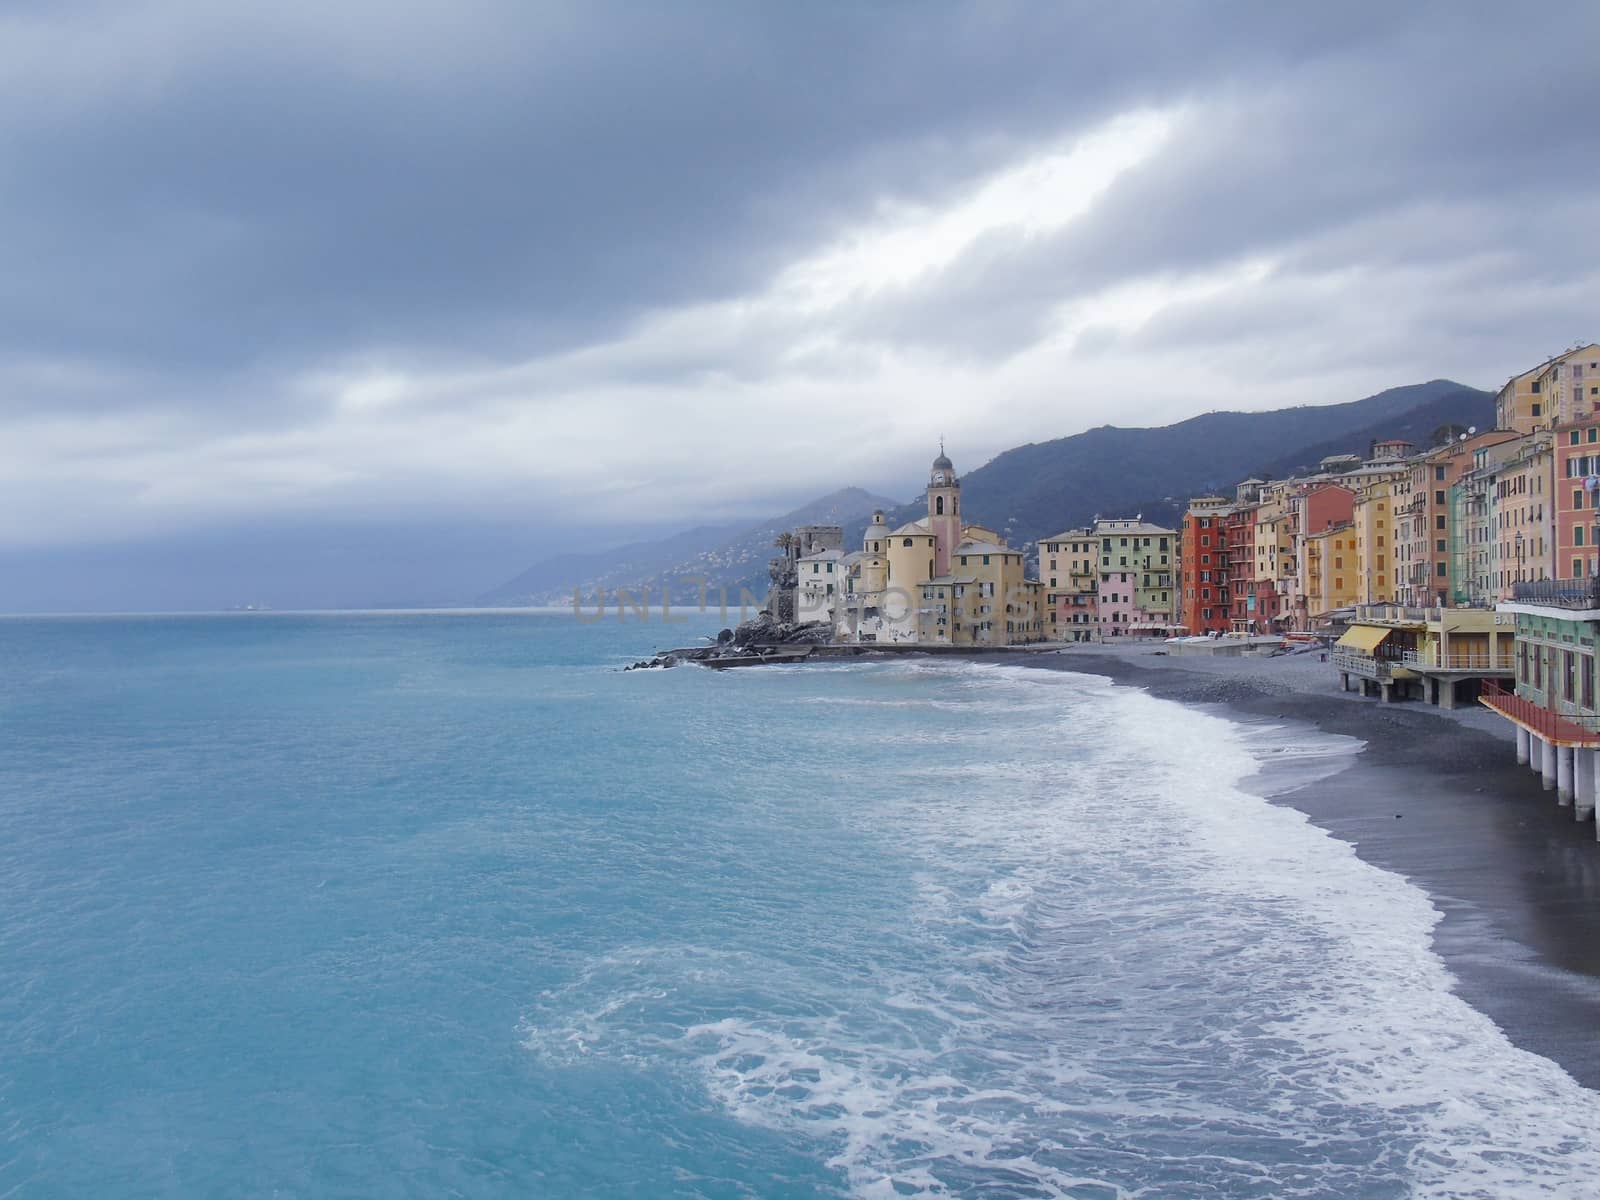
[[1553, 705]]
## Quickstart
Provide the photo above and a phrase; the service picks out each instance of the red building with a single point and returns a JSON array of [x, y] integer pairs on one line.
[[1203, 565], [1576, 500], [1239, 529]]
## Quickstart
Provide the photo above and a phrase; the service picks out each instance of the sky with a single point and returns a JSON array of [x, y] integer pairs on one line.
[[312, 303]]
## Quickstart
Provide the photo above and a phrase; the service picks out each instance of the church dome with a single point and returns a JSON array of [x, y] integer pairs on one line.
[[943, 463]]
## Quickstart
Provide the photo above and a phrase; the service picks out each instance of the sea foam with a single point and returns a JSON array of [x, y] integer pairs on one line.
[[1117, 970]]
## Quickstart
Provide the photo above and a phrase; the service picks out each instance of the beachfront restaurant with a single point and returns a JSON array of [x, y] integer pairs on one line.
[[1443, 656], [1552, 703]]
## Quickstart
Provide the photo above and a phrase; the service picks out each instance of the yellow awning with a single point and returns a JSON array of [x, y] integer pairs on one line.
[[1366, 638]]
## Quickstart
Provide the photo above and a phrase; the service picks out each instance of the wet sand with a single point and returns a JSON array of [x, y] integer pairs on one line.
[[1436, 797]]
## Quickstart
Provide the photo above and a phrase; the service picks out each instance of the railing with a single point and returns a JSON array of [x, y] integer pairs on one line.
[[1465, 660], [1367, 666], [1393, 612], [1561, 728], [1559, 593]]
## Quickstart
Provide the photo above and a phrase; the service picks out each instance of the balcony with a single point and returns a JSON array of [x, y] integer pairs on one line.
[[1364, 666], [1559, 593], [1463, 660], [1563, 729], [1397, 613]]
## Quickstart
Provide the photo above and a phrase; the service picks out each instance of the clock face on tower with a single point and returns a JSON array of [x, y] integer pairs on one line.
[[940, 479]]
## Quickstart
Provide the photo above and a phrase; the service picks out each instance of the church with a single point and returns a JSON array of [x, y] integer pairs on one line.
[[937, 580]]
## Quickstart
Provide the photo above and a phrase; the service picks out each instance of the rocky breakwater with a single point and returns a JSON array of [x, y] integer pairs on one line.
[[761, 640]]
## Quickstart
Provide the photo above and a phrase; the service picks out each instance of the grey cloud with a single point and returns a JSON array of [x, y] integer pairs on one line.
[[201, 206], [1447, 141], [547, 180]]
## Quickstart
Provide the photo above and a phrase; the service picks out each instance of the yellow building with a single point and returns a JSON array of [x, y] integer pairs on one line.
[[1374, 535], [1564, 388], [1570, 384], [1520, 404], [985, 600], [1274, 544], [1331, 569], [1526, 514], [938, 579]]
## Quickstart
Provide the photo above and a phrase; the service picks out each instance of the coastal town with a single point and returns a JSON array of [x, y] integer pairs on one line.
[[1465, 572]]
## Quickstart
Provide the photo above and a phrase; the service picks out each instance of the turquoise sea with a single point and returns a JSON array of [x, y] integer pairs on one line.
[[447, 905]]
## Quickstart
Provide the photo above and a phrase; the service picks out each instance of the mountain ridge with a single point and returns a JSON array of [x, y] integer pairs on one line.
[[1038, 489]]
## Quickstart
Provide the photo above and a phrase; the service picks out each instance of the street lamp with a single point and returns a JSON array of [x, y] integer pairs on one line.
[[1518, 544]]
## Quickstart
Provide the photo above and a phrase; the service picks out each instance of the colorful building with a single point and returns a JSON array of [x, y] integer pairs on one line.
[[1476, 570], [1239, 562], [1576, 498], [1553, 706], [1526, 526], [1206, 598], [1332, 571], [1274, 560], [1373, 521], [1313, 510], [1068, 565], [1115, 578], [1442, 656], [936, 580], [1570, 384]]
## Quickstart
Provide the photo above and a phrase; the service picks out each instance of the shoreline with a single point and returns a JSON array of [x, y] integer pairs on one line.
[[1436, 797]]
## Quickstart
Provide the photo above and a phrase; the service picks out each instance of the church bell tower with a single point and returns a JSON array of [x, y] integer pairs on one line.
[[944, 511]]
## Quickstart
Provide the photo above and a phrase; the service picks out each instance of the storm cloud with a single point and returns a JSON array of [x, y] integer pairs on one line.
[[469, 261]]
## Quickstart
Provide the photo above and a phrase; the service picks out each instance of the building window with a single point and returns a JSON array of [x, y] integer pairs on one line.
[[1438, 473]]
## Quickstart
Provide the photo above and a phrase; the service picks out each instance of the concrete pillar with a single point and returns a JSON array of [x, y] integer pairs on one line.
[[1564, 775], [1522, 745], [1583, 783], [1447, 693], [1536, 754], [1547, 765]]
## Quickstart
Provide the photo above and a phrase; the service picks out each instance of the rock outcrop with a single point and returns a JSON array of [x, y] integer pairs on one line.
[[763, 637]]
